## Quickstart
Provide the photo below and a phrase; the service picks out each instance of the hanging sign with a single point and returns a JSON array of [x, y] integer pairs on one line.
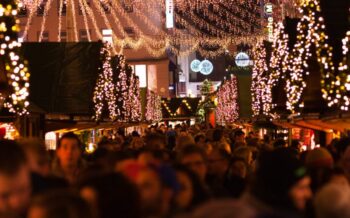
[[169, 13], [269, 13]]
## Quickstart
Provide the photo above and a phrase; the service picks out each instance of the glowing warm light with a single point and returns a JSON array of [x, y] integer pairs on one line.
[[15, 68], [227, 101]]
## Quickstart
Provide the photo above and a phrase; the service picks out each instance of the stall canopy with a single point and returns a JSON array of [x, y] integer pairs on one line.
[[63, 76]]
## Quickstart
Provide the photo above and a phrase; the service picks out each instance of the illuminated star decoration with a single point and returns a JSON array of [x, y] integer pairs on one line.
[[15, 68], [227, 98]]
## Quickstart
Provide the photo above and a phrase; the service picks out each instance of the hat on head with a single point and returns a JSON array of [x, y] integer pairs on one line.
[[319, 158]]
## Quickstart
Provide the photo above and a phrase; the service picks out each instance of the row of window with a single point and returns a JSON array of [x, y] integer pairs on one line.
[[127, 5]]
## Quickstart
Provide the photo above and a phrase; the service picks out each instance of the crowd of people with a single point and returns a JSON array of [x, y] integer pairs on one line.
[[182, 171]]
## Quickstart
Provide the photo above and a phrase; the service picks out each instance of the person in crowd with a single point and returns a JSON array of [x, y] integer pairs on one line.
[[226, 208], [218, 165], [39, 165], [281, 186], [344, 153], [182, 141], [296, 145], [245, 153], [59, 204], [236, 178], [195, 159], [68, 163], [147, 156], [37, 157], [333, 201], [320, 164], [155, 141], [111, 194], [238, 139], [200, 140], [157, 186], [191, 191], [279, 143], [338, 176], [15, 184]]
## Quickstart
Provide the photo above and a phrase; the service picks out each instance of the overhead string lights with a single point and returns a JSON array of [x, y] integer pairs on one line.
[[198, 26], [227, 110], [15, 98]]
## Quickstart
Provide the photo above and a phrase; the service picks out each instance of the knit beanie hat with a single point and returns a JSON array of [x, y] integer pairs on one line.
[[319, 158]]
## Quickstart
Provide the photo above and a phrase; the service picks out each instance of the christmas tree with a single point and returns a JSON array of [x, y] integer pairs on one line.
[[15, 69]]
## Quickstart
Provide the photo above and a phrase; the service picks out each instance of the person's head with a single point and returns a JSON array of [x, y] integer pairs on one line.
[[338, 176], [296, 145], [244, 153], [111, 194], [59, 204], [155, 141], [218, 134], [191, 192], [183, 141], [37, 156], [15, 185], [345, 159], [333, 201], [147, 156], [218, 162], [319, 158], [223, 208], [281, 181], [137, 143], [238, 168], [69, 150], [194, 158], [279, 143], [239, 136], [157, 185], [199, 139]]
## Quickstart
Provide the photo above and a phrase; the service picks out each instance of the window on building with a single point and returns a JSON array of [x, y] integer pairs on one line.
[[127, 5], [41, 8], [107, 35], [64, 7], [129, 31], [141, 72], [45, 36], [63, 36], [83, 36], [106, 6], [181, 87], [80, 10]]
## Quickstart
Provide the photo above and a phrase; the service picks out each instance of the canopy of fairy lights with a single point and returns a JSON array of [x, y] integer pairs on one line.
[[206, 26]]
